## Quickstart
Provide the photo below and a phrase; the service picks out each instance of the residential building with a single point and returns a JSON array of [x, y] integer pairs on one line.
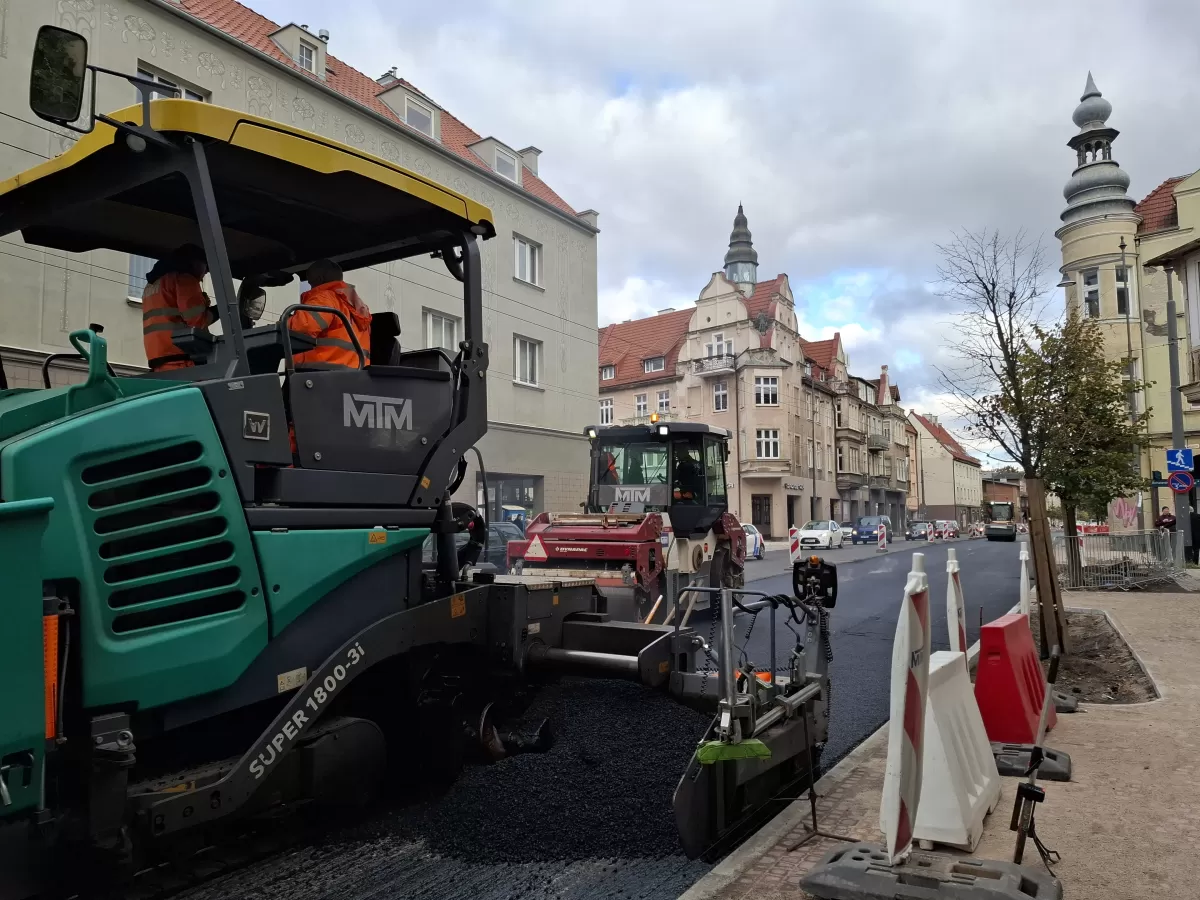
[[915, 497], [1124, 289], [736, 360], [951, 479], [1004, 486], [539, 272]]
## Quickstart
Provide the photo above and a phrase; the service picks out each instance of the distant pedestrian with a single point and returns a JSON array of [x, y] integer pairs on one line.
[[1166, 519]]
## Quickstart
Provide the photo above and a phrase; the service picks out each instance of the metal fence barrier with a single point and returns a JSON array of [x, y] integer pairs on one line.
[[1119, 561]]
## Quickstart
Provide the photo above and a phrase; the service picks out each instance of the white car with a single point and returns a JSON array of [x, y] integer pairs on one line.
[[821, 533], [755, 546]]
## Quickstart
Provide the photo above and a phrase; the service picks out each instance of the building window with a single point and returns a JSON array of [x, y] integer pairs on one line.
[[527, 356], [855, 463], [720, 397], [1091, 293], [767, 443], [838, 411], [441, 331], [812, 453], [185, 93], [887, 430], [639, 405], [766, 390], [308, 55], [654, 364], [1122, 291], [606, 411], [608, 373], [138, 267], [808, 370], [418, 116], [841, 459], [664, 401], [528, 264], [719, 346], [506, 164]]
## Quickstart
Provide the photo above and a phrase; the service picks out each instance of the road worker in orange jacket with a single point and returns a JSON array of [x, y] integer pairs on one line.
[[334, 347], [173, 299]]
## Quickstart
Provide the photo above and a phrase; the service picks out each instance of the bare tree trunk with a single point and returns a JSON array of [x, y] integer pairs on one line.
[[1071, 540]]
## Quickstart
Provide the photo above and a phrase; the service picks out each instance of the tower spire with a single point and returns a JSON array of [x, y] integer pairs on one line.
[[1098, 185], [741, 261]]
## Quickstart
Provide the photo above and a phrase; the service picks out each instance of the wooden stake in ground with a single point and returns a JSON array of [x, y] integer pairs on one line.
[[1044, 569]]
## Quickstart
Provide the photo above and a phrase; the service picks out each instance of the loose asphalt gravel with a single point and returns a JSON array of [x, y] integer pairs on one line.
[[592, 817]]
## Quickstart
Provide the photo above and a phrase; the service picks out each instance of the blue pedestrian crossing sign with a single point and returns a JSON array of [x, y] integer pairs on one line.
[[1179, 459]]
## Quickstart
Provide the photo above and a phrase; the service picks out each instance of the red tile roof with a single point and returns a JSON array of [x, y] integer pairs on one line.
[[244, 24], [1158, 208], [943, 437], [822, 353], [626, 344]]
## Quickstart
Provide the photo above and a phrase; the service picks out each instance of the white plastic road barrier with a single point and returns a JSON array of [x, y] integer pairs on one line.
[[793, 544], [882, 546], [956, 604], [910, 676], [1025, 598], [961, 784]]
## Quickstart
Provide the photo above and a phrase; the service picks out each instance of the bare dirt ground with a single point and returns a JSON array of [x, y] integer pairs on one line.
[[1100, 667]]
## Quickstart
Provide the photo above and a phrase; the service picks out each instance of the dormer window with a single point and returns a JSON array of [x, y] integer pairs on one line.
[[418, 116], [506, 164], [654, 364], [608, 373], [308, 56]]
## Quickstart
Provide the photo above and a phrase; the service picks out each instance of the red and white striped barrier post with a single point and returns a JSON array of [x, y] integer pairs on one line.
[[956, 611], [882, 546], [910, 683], [793, 544]]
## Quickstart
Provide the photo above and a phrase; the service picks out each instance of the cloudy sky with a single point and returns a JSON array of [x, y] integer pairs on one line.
[[857, 134]]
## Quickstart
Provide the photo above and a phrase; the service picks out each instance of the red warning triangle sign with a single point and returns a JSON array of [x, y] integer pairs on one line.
[[536, 550]]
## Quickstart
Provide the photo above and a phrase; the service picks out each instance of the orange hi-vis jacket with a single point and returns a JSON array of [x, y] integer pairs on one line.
[[173, 301], [334, 348]]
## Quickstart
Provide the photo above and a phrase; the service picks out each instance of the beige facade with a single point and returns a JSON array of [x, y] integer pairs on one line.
[[736, 360], [539, 272], [915, 497], [951, 479]]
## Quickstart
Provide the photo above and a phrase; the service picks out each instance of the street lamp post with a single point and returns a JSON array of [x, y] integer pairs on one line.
[[1131, 396]]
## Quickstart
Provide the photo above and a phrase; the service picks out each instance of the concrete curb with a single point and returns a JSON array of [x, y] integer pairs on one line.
[[736, 863]]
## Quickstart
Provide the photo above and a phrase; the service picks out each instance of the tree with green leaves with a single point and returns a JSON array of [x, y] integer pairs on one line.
[[1088, 457]]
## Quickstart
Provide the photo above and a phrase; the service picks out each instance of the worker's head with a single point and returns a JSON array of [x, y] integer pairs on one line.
[[1166, 510], [191, 259], [323, 271]]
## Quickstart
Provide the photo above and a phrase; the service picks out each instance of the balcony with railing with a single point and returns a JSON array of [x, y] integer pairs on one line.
[[849, 432], [754, 466], [849, 480], [876, 442], [883, 482], [720, 364]]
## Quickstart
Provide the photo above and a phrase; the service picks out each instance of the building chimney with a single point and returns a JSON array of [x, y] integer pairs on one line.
[[667, 310], [589, 217], [305, 27], [388, 78], [884, 397], [529, 156], [323, 34], [932, 418]]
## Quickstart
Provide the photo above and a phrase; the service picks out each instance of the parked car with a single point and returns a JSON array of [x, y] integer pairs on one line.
[[918, 531], [821, 533], [755, 545], [496, 551], [866, 530], [847, 527], [944, 529]]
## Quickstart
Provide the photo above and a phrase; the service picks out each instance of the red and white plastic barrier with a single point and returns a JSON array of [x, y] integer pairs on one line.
[[960, 781], [956, 604], [910, 677], [793, 544], [881, 547]]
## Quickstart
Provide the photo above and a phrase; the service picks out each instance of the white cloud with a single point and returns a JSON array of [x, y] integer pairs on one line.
[[857, 134]]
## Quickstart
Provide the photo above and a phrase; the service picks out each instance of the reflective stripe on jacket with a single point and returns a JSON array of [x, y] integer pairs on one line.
[[334, 348], [174, 301]]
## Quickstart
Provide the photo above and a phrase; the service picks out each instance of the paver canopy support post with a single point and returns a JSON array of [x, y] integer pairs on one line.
[[1044, 570]]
